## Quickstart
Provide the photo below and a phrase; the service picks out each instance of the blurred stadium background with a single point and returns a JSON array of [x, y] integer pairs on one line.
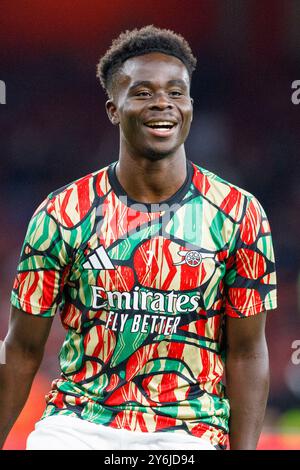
[[54, 129]]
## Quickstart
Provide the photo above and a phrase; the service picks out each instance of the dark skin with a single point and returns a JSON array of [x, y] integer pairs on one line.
[[151, 168], [24, 345], [247, 379], [150, 87]]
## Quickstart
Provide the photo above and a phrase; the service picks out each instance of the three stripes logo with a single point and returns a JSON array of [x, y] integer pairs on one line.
[[99, 259]]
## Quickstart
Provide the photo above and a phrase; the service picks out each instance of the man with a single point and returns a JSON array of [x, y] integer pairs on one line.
[[162, 273]]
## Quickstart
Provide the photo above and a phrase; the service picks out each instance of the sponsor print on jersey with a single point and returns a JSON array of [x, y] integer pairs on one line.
[[144, 297]]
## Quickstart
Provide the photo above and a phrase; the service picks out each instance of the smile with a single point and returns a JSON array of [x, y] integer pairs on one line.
[[161, 128]]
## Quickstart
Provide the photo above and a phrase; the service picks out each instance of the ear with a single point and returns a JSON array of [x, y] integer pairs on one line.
[[112, 112]]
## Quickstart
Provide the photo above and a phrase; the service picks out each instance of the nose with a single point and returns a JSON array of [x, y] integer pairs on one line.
[[161, 101]]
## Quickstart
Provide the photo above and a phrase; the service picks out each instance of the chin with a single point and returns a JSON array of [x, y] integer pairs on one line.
[[158, 154]]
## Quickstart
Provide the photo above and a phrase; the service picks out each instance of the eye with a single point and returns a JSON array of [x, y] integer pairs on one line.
[[176, 93], [143, 93]]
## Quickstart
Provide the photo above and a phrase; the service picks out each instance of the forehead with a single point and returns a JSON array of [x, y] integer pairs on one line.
[[153, 67]]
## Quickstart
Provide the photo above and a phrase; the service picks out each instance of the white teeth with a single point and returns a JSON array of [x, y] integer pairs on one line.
[[160, 123]]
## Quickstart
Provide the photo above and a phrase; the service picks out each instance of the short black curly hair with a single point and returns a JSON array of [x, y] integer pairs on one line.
[[139, 42]]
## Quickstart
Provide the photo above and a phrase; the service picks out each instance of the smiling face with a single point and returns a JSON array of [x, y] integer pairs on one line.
[[151, 102]]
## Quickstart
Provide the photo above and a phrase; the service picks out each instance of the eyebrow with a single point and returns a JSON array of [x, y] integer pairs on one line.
[[147, 83]]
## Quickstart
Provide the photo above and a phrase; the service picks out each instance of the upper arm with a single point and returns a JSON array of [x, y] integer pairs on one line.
[[38, 287], [250, 279], [246, 336], [27, 332], [43, 266], [250, 285]]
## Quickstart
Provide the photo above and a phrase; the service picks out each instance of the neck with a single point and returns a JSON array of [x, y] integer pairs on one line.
[[149, 181]]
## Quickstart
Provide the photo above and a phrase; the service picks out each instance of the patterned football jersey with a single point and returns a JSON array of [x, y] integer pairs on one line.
[[143, 291]]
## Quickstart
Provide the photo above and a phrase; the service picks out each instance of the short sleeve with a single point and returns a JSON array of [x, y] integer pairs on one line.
[[43, 265], [250, 279]]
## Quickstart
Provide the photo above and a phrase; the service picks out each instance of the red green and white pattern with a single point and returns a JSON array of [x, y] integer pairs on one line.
[[143, 296]]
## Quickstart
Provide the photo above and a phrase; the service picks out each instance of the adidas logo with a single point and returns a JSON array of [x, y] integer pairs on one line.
[[98, 260]]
